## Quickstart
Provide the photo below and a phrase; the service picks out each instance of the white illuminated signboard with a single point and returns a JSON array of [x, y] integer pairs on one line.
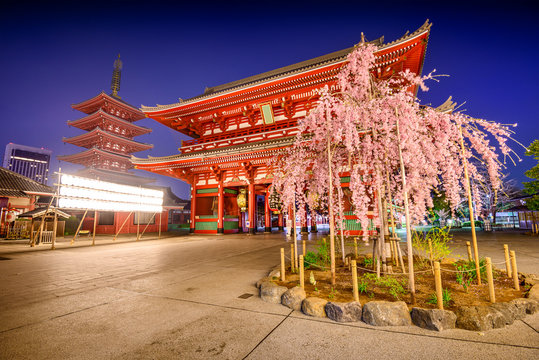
[[81, 193]]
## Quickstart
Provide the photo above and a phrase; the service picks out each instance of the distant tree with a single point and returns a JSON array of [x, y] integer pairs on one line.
[[532, 187]]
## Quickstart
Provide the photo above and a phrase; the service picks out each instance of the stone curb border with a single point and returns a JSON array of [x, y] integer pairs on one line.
[[387, 313]]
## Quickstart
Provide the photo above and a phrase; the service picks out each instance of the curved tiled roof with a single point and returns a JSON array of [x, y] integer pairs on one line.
[[16, 185], [327, 59]]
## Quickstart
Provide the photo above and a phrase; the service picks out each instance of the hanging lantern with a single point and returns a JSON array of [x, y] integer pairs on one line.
[[242, 200], [274, 200]]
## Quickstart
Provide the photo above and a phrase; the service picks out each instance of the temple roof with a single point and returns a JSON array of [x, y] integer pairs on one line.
[[226, 151], [86, 140], [324, 60], [89, 122], [97, 102], [16, 185], [39, 212]]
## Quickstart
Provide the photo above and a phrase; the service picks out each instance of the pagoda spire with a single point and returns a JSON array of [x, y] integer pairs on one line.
[[116, 77]]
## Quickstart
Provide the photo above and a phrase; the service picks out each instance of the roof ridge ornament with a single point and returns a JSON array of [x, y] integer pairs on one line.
[[116, 77]]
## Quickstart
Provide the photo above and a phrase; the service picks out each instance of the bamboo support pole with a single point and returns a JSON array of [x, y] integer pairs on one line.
[[160, 222], [490, 280], [121, 227], [295, 236], [514, 268], [78, 227], [411, 278], [331, 217], [95, 223], [355, 248], [138, 224], [301, 272], [470, 207], [507, 261], [469, 247], [399, 251], [283, 278], [292, 258], [303, 243], [438, 284], [149, 221], [354, 280]]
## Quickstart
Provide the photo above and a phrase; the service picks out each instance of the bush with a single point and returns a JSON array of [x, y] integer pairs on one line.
[[319, 259], [478, 223], [439, 238]]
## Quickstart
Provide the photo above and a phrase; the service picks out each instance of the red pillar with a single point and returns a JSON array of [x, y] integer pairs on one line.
[[220, 209], [193, 207], [293, 222], [252, 209], [313, 222], [281, 227], [304, 228], [267, 213]]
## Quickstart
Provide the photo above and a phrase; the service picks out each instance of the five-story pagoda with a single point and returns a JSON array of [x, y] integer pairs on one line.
[[110, 129]]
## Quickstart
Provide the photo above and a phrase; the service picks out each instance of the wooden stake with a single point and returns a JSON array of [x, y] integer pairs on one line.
[[282, 265], [354, 280], [78, 227], [438, 284], [470, 208], [304, 247], [292, 257], [138, 223], [507, 261], [515, 271], [355, 247], [430, 253], [331, 217], [54, 228], [301, 272], [295, 236], [149, 221], [399, 251], [95, 223], [469, 250], [490, 280]]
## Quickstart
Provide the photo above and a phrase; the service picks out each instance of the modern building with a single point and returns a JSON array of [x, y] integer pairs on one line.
[[28, 161], [237, 128]]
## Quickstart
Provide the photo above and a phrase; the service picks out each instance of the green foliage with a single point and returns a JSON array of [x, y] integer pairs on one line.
[[319, 258], [367, 261], [362, 286], [532, 187], [439, 238], [446, 298], [390, 284], [478, 223], [332, 294], [467, 273]]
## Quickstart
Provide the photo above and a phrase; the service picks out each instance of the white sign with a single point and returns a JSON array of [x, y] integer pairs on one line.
[[82, 193]]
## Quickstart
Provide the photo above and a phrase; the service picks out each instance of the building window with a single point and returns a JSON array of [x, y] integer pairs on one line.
[[145, 218], [106, 218]]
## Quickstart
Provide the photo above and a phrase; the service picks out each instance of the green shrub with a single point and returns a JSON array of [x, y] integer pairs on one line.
[[446, 298], [318, 259], [467, 273], [439, 238]]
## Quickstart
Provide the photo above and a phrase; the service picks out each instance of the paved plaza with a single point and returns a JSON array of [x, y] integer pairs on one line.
[[181, 298]]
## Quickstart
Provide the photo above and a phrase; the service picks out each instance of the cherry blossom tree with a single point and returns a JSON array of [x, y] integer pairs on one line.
[[392, 146]]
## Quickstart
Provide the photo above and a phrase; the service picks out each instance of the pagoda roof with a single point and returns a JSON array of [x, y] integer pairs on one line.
[[97, 102], [382, 53], [120, 177], [87, 140], [16, 185], [80, 157], [88, 122]]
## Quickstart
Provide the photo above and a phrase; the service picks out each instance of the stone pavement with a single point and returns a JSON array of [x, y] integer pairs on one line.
[[179, 297]]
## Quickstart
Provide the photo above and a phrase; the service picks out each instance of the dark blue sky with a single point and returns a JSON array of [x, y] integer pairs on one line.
[[58, 53]]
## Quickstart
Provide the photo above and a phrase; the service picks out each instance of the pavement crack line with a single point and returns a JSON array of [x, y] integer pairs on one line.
[[268, 334], [419, 335], [531, 327], [58, 316]]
